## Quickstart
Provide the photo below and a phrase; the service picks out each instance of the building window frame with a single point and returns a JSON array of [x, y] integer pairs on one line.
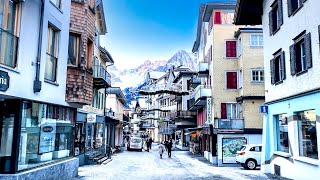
[[294, 6], [56, 3], [226, 80], [301, 54], [259, 42], [10, 35], [277, 68], [239, 47], [282, 137], [275, 17], [233, 110], [76, 54], [259, 75], [52, 54], [228, 54]]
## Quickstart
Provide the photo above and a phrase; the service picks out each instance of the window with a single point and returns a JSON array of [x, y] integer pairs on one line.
[[89, 55], [239, 47], [282, 133], [229, 111], [257, 75], [294, 6], [275, 17], [52, 54], [74, 44], [231, 49], [308, 146], [232, 80], [98, 99], [56, 3], [277, 68], [217, 17], [256, 149], [300, 54], [240, 79], [256, 40], [9, 11]]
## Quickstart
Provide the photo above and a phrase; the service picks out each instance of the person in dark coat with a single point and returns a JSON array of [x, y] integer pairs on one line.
[[169, 147]]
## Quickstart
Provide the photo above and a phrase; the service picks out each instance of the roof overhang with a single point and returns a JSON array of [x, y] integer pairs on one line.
[[100, 17], [118, 92], [248, 12], [105, 55], [247, 30], [183, 74], [197, 42]]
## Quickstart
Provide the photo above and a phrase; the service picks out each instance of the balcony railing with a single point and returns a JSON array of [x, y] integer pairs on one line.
[[203, 69], [101, 77], [9, 48], [229, 124], [195, 81], [109, 113], [202, 91]]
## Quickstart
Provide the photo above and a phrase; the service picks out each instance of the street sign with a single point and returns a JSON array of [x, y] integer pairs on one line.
[[4, 80], [263, 109]]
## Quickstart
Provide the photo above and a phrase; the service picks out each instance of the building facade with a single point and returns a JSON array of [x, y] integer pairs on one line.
[[36, 121], [232, 84], [291, 122]]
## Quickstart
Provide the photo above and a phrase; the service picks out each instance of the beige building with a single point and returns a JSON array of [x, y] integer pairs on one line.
[[232, 83]]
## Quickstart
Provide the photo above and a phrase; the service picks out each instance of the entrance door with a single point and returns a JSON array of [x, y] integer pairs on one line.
[[9, 116]]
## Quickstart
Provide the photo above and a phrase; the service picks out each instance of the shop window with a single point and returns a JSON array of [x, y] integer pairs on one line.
[[231, 49], [300, 54], [79, 141], [46, 134], [277, 68], [74, 47], [9, 18], [307, 131], [52, 54], [232, 80], [275, 17], [282, 133]]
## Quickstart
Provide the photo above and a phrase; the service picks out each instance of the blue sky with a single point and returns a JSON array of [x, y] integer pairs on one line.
[[140, 30]]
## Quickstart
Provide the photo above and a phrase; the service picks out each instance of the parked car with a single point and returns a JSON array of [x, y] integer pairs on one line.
[[135, 143], [249, 156]]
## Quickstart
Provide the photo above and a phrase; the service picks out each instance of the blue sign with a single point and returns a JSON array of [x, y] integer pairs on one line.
[[263, 109]]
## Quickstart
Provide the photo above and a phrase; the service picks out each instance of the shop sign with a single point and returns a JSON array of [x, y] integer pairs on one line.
[[4, 80], [172, 126], [263, 109], [47, 129], [91, 118], [209, 109]]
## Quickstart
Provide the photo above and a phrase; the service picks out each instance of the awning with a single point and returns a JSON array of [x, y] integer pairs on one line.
[[194, 129], [191, 132]]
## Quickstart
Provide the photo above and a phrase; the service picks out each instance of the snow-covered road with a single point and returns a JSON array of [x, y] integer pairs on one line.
[[133, 165]]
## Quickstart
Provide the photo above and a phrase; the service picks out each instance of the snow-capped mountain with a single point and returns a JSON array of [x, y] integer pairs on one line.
[[131, 80]]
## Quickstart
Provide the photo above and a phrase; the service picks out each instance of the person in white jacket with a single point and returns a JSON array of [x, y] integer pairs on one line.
[[161, 149]]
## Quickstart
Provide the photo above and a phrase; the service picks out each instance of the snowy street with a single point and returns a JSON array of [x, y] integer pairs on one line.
[[148, 165]]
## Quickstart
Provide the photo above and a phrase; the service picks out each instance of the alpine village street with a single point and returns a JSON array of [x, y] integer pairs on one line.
[[159, 89]]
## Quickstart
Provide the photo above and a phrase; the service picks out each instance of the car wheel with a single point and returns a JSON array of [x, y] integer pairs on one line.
[[251, 164]]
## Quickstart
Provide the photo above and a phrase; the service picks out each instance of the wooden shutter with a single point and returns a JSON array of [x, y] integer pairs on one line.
[[223, 111], [292, 60], [307, 45], [280, 12], [283, 66], [289, 8], [188, 84], [231, 48], [232, 80], [272, 70], [217, 17], [270, 23]]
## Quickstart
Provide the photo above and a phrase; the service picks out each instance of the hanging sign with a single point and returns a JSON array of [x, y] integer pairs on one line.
[[91, 118], [209, 109], [263, 109], [4, 80]]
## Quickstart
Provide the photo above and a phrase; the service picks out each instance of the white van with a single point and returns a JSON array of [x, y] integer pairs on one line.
[[135, 143]]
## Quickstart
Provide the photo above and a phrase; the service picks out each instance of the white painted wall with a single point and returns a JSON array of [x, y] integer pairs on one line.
[[307, 18], [22, 77]]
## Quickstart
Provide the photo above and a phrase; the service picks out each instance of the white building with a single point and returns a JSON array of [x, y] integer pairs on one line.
[[33, 68], [291, 126]]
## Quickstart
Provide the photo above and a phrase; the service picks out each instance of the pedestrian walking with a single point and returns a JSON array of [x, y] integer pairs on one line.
[[169, 147], [148, 142], [161, 149], [151, 141]]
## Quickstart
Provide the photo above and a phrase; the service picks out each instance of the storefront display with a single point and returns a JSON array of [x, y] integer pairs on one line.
[[79, 142], [46, 134]]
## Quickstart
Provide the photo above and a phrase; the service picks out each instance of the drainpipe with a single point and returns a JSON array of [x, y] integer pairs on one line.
[[37, 83]]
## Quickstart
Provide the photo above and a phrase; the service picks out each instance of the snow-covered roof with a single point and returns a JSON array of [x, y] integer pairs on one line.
[[156, 74]]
